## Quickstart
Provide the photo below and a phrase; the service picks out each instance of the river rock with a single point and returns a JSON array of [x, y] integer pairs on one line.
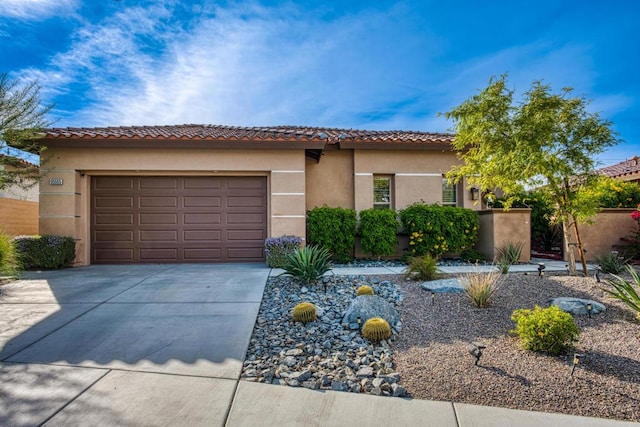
[[444, 286], [577, 306], [369, 306]]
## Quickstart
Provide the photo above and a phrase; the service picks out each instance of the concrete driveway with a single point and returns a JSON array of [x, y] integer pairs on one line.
[[126, 345]]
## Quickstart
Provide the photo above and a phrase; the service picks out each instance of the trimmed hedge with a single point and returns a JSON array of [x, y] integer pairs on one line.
[[333, 229], [378, 228], [436, 229], [46, 252]]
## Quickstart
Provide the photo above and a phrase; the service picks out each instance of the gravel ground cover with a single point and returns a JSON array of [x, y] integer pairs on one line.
[[433, 362], [428, 357]]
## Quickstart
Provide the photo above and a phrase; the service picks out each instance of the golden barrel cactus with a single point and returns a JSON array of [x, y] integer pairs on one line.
[[304, 312], [364, 290], [376, 329]]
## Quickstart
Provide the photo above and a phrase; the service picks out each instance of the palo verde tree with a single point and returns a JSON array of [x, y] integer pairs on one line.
[[546, 141], [22, 118]]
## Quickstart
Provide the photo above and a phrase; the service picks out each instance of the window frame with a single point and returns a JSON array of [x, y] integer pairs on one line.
[[388, 204], [454, 187]]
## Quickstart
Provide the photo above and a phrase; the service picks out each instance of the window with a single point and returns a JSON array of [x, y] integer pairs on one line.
[[449, 193], [381, 192]]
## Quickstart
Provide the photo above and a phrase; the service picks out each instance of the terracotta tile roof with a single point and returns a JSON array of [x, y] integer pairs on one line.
[[628, 167], [18, 162], [271, 133]]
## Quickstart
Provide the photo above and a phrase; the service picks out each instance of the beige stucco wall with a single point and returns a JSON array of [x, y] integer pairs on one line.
[[605, 232], [331, 182], [417, 176], [499, 227], [65, 209], [18, 217]]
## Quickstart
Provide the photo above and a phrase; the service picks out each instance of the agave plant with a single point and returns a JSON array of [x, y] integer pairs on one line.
[[308, 264], [625, 290]]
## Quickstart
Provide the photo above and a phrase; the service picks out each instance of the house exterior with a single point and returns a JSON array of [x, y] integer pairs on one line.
[[19, 207], [629, 170], [204, 193]]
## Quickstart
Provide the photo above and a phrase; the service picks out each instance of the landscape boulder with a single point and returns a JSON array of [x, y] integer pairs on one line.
[[577, 306], [368, 306]]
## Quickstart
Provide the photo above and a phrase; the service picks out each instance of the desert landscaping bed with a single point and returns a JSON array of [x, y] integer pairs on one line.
[[428, 358], [432, 359]]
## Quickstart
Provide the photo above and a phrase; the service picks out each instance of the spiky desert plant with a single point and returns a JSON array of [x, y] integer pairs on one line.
[[308, 264], [421, 268], [376, 329], [304, 312], [364, 290], [511, 252], [625, 291], [481, 287]]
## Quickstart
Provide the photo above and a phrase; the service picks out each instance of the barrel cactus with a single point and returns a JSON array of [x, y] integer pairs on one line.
[[376, 329], [364, 290], [304, 312]]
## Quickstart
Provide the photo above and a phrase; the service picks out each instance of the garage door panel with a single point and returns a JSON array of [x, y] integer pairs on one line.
[[202, 218], [113, 219], [202, 201], [239, 183], [113, 183], [158, 235], [159, 218], [203, 254], [165, 183], [114, 255], [113, 202], [240, 235], [158, 254], [158, 202], [245, 218], [202, 235], [114, 236], [203, 182], [178, 219], [245, 201]]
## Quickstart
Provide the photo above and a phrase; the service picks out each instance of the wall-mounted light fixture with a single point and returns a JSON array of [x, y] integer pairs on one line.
[[475, 193]]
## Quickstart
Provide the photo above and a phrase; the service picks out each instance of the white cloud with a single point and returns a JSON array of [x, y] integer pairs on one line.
[[35, 9]]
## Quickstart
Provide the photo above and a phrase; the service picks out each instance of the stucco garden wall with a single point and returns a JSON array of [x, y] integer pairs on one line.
[[18, 217], [65, 209], [330, 181], [605, 232], [499, 227]]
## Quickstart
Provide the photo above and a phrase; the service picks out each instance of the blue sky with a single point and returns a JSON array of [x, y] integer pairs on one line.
[[346, 63]]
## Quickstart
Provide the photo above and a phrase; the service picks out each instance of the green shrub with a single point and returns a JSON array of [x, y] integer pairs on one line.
[[277, 249], [47, 252], [511, 252], [547, 330], [308, 264], [334, 229], [422, 267], [472, 255], [625, 291], [611, 262], [378, 231], [481, 287], [435, 229], [8, 257], [613, 193], [503, 266]]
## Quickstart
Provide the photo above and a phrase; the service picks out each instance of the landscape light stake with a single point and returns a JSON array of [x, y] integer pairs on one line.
[[597, 274], [541, 267], [589, 307], [576, 361], [359, 321], [433, 298], [475, 349]]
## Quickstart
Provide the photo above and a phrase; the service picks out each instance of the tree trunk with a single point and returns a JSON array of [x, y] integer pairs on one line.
[[568, 245], [580, 248]]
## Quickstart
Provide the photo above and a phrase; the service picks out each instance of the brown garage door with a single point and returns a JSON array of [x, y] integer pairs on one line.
[[178, 219]]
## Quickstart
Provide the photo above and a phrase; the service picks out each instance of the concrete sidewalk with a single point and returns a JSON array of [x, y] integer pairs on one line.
[[155, 345]]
